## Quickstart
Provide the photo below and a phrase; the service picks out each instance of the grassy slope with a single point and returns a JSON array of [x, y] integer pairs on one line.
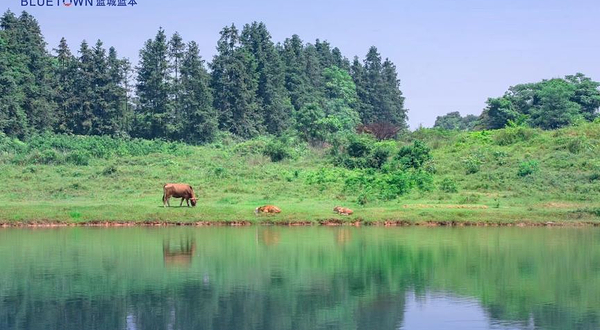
[[230, 185]]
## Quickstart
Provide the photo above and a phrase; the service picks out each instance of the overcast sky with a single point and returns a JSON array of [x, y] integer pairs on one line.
[[450, 55]]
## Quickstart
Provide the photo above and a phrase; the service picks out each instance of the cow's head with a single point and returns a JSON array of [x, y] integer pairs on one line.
[[193, 200]]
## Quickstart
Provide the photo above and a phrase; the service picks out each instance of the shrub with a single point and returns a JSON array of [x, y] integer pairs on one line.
[[277, 151], [362, 151], [448, 185], [469, 199], [528, 167], [414, 156], [78, 157], [514, 134], [579, 144], [380, 130], [472, 164]]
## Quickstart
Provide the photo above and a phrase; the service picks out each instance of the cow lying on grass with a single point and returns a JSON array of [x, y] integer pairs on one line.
[[342, 210], [179, 190], [267, 209]]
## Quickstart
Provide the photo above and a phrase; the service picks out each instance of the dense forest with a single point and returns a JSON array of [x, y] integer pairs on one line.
[[252, 87]]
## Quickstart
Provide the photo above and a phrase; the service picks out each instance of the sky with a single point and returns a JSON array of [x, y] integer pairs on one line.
[[450, 55]]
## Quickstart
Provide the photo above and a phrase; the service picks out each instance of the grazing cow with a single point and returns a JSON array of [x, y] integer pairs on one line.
[[267, 209], [179, 190], [342, 210]]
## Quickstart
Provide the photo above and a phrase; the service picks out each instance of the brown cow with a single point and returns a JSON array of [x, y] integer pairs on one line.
[[342, 210], [267, 209], [179, 190]]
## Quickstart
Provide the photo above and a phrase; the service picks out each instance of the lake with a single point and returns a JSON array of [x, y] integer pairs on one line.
[[300, 278]]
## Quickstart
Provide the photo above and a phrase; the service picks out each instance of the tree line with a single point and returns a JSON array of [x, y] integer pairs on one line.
[[548, 104], [253, 86]]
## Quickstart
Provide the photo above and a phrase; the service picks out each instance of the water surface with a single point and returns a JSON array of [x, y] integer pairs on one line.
[[300, 278]]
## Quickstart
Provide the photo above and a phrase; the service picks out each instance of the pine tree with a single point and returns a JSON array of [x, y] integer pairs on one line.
[[393, 104], [27, 101], [101, 118], [363, 106], [176, 54], [198, 115], [64, 89], [13, 120], [154, 113], [39, 102], [271, 94], [235, 83], [116, 94], [379, 92], [296, 80]]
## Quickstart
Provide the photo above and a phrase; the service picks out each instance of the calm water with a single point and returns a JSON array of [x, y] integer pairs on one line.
[[300, 278]]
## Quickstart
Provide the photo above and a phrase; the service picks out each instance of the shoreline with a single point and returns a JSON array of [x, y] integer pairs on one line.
[[319, 223]]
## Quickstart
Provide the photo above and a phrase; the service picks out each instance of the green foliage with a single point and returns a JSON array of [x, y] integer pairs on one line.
[[454, 121], [528, 167], [362, 151], [277, 150], [254, 87], [79, 150], [414, 156], [472, 164], [548, 104], [514, 134], [448, 185]]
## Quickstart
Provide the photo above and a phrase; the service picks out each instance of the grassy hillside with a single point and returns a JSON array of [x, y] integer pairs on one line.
[[515, 174]]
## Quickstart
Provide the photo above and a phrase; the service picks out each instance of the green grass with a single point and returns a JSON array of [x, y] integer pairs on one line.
[[504, 176]]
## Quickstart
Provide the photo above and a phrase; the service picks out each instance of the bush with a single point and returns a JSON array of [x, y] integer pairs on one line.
[[472, 164], [81, 158], [448, 185], [362, 151], [414, 156], [528, 167], [277, 151], [513, 134], [579, 144]]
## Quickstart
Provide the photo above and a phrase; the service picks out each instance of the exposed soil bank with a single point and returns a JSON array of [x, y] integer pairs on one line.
[[327, 222]]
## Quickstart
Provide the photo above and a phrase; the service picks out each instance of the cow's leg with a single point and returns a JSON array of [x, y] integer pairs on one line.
[[188, 202], [181, 201]]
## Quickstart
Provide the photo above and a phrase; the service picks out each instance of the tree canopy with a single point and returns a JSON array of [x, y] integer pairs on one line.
[[252, 86]]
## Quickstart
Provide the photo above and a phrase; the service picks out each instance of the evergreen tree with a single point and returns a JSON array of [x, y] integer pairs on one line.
[[393, 103], [296, 80], [176, 54], [13, 68], [199, 117], [314, 71], [27, 100], [81, 119], [154, 114], [101, 119], [379, 90], [235, 83], [363, 106], [339, 60], [64, 90], [271, 94], [117, 112], [38, 103]]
